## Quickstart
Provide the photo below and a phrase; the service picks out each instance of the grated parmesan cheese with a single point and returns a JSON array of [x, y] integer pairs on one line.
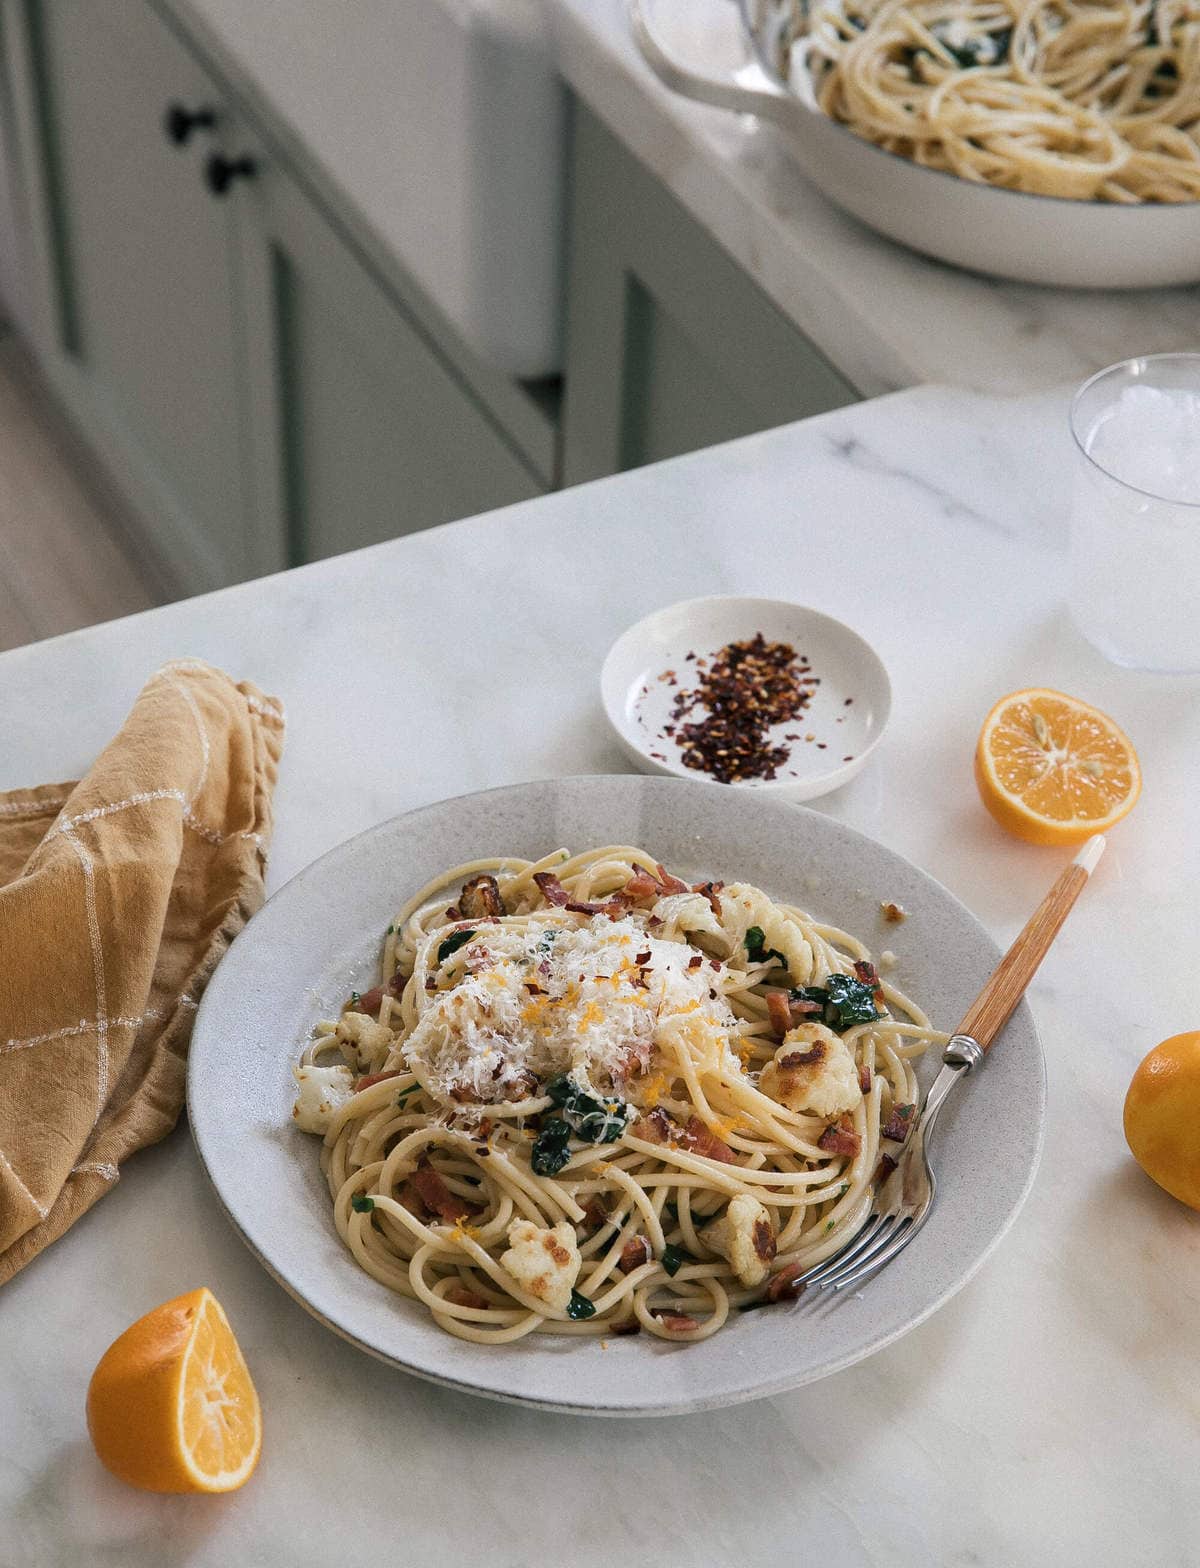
[[541, 999]]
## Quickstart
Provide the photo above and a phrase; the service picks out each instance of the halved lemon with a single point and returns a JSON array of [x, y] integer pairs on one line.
[[1054, 770], [171, 1406]]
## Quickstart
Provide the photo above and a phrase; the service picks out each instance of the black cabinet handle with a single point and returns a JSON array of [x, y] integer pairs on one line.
[[220, 172], [179, 122]]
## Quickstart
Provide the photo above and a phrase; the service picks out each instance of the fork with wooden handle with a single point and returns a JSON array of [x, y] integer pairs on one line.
[[903, 1201]]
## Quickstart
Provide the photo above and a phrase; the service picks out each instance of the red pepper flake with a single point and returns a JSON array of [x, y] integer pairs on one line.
[[883, 1170], [695, 961], [750, 687]]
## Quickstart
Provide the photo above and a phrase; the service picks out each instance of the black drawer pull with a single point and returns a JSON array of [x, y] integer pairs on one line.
[[220, 172], [179, 122]]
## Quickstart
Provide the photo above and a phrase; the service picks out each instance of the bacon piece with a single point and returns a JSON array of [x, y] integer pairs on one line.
[[779, 1011], [668, 883], [634, 1253], [371, 1001], [696, 961], [437, 1197], [462, 1297], [787, 1285], [864, 1078], [711, 891], [840, 1138], [899, 1123], [481, 897], [409, 1198], [594, 1214], [869, 975], [453, 912], [655, 1127], [555, 893], [703, 1141], [552, 889], [677, 1322], [365, 1083], [803, 1007], [641, 885], [763, 1238], [883, 1170]]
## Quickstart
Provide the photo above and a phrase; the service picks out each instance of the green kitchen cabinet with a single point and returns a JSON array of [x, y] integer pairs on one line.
[[670, 347], [261, 392], [139, 325]]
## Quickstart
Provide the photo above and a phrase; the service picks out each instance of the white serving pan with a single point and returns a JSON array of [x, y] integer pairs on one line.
[[1010, 234]]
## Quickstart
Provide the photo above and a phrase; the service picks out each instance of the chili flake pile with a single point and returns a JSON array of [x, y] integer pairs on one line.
[[747, 688]]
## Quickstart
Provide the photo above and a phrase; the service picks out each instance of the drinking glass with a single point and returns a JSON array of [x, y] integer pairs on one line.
[[1135, 513]]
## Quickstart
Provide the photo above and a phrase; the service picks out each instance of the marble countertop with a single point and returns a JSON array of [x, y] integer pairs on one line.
[[1047, 1414]]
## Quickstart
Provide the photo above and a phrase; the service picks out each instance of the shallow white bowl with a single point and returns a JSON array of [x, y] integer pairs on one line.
[[846, 716]]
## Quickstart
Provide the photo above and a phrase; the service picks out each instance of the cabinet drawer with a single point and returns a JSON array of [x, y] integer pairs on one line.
[[670, 346], [363, 430]]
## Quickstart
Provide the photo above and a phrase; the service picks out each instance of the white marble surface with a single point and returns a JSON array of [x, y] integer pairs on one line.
[[1049, 1413]]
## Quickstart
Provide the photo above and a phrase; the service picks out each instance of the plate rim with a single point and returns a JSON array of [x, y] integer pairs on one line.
[[694, 1402]]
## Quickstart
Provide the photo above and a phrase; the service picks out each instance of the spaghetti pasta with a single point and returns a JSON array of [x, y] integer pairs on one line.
[[1085, 99], [588, 1098]]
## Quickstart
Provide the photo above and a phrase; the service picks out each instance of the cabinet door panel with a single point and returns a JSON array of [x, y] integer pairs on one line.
[[148, 303], [364, 433], [670, 347]]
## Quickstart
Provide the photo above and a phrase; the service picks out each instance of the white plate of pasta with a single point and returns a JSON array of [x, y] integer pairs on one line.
[[550, 1093]]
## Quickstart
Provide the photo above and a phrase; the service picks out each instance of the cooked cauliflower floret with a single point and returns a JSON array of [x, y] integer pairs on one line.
[[744, 1236], [364, 1039], [812, 1071], [323, 1092], [544, 1263], [686, 912], [744, 906]]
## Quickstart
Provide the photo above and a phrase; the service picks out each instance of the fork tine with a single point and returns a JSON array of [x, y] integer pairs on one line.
[[900, 1237], [820, 1272], [849, 1267]]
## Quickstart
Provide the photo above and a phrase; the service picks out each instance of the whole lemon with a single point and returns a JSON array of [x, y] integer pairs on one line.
[[1162, 1117]]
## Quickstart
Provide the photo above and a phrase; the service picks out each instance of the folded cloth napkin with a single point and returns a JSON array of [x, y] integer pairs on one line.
[[118, 895]]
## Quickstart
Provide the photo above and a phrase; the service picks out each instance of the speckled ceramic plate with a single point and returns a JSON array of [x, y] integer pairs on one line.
[[319, 937]]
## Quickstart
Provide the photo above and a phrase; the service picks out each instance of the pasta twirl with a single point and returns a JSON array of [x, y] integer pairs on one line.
[[588, 1098], [1084, 99]]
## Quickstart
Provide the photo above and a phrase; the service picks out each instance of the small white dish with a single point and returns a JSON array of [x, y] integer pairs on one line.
[[654, 661]]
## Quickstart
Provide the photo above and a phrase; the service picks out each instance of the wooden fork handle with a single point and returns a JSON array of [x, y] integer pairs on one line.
[[995, 1004]]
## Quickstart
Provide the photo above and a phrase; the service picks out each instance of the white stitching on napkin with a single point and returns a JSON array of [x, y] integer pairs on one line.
[[202, 732], [15, 807], [86, 1024], [40, 1207], [89, 893], [142, 798]]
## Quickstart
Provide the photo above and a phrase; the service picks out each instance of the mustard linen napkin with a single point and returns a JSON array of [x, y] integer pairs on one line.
[[118, 895]]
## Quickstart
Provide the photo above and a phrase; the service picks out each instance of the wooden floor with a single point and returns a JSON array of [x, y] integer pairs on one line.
[[65, 557]]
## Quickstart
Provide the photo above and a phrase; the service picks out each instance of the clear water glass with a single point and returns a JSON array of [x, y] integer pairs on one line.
[[1135, 513]]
